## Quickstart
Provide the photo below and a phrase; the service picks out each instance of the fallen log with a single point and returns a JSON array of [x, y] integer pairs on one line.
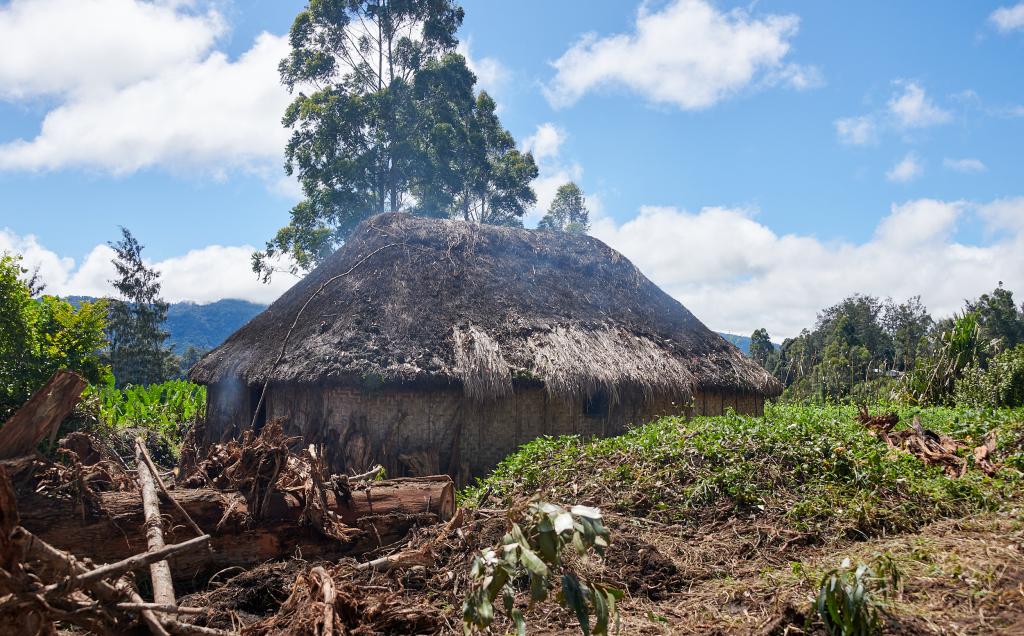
[[41, 415], [384, 512], [159, 571]]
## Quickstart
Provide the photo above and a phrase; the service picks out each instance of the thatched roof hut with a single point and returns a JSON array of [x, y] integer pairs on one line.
[[480, 314]]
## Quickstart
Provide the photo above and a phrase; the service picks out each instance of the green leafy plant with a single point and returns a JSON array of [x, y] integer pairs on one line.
[[537, 549], [851, 599], [166, 408]]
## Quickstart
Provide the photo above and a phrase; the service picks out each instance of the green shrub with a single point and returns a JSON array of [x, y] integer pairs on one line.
[[40, 336], [1000, 385], [813, 469]]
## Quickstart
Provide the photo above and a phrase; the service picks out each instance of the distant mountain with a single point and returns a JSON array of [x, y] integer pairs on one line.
[[201, 326], [742, 342]]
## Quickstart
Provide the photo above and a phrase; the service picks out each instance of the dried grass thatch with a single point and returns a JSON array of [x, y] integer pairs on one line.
[[422, 302]]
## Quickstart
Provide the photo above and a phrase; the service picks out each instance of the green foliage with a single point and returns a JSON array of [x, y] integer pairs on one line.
[[137, 353], [813, 469], [850, 600], [857, 340], [392, 124], [761, 348], [167, 409], [40, 336], [934, 377], [568, 211], [534, 550], [1001, 384]]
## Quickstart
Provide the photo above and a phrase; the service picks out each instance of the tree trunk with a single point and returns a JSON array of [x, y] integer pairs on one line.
[[41, 415], [385, 511]]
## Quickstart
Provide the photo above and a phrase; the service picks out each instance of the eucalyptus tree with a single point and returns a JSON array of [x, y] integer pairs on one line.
[[568, 211], [354, 141]]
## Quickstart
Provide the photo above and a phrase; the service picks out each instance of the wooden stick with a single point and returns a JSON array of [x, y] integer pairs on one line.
[[166, 609], [163, 488], [187, 629], [135, 562], [368, 475], [160, 571], [327, 586], [62, 561]]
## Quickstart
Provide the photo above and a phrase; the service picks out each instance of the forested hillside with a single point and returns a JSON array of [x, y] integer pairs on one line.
[[201, 326]]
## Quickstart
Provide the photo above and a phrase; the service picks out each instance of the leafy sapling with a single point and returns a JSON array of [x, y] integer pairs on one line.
[[541, 548]]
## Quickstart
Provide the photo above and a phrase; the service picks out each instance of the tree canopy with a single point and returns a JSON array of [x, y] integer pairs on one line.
[[568, 211], [41, 335], [385, 118], [137, 352]]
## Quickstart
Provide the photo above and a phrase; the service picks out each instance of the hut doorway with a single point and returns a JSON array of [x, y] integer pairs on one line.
[[258, 419]]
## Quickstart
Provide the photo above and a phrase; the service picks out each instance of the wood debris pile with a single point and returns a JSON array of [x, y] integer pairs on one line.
[[76, 530], [934, 449]]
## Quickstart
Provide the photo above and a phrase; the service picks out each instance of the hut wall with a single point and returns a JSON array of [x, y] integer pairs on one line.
[[417, 431]]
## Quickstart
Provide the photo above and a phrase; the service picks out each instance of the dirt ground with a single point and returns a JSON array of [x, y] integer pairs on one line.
[[958, 577]]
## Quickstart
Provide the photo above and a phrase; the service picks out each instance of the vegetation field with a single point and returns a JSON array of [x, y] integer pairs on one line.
[[725, 524]]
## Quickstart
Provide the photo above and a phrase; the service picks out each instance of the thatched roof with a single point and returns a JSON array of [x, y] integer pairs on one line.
[[416, 301]]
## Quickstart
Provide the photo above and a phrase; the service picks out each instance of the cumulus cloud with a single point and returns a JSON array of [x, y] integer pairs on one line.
[[912, 108], [908, 108], [203, 275], [144, 89], [53, 47], [490, 73], [546, 145], [1007, 19], [737, 274], [906, 169], [968, 165], [546, 142], [688, 54], [211, 115], [857, 131]]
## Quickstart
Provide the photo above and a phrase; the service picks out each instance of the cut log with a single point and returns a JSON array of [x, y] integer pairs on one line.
[[159, 571], [41, 415], [383, 510]]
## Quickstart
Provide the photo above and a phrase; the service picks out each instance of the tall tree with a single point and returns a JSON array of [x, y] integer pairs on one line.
[[354, 143], [1001, 322], [568, 211], [136, 352], [761, 347]]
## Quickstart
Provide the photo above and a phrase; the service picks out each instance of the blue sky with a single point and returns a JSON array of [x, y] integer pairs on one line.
[[758, 160]]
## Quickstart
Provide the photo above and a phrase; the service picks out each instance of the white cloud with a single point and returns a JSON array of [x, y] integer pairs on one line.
[[490, 73], [546, 142], [906, 169], [857, 131], [211, 116], [967, 165], [1004, 214], [909, 108], [71, 46], [914, 109], [202, 275], [1007, 19], [736, 274], [546, 145], [688, 54]]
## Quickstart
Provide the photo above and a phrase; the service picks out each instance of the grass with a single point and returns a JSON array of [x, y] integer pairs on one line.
[[808, 470]]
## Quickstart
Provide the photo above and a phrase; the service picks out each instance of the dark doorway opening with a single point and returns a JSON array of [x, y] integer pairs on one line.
[[258, 419], [596, 405]]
